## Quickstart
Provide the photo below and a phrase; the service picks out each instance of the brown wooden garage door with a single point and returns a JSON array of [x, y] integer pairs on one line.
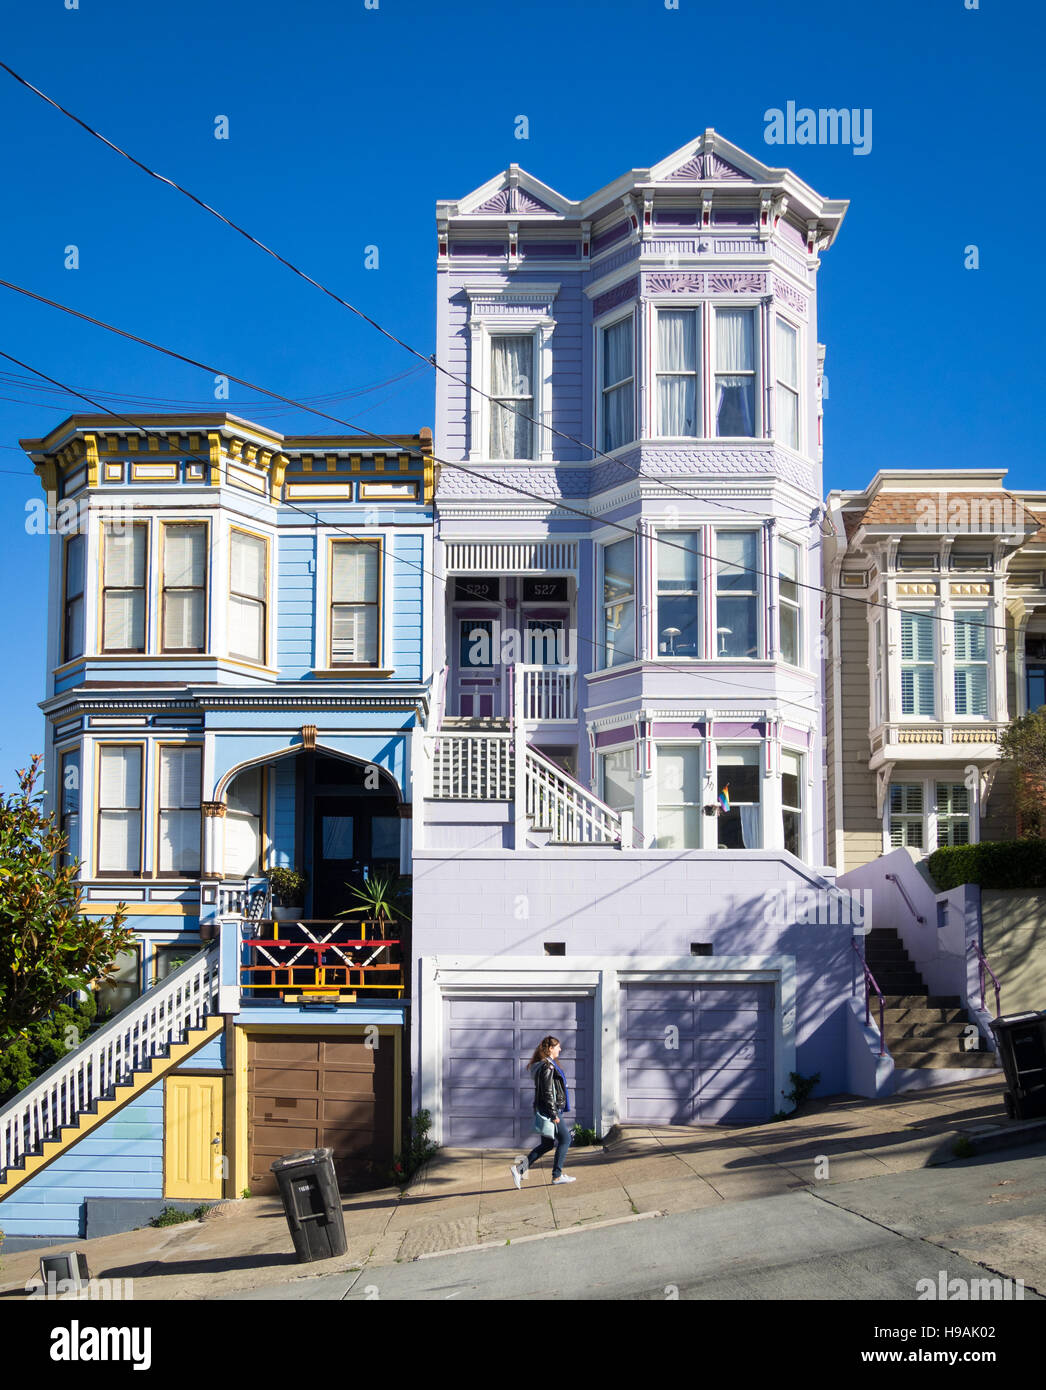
[[320, 1092]]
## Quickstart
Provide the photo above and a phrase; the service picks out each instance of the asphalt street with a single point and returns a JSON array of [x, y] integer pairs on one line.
[[873, 1239]]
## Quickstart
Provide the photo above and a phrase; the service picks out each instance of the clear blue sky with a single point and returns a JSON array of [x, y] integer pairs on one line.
[[346, 124]]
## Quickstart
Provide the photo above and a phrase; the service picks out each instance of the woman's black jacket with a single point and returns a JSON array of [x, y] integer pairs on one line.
[[549, 1092]]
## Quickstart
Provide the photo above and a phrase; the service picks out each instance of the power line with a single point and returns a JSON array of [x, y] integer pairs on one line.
[[421, 569], [428, 359], [659, 536]]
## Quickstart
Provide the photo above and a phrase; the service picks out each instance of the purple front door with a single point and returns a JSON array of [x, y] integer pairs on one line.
[[696, 1054], [488, 1093]]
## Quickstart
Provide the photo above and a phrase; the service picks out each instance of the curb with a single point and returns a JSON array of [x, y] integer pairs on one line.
[[541, 1235]]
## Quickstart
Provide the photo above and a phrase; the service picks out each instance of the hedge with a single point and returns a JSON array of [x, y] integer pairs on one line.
[[992, 864]]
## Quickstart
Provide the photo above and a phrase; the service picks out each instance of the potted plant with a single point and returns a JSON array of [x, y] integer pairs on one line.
[[380, 902], [288, 893]]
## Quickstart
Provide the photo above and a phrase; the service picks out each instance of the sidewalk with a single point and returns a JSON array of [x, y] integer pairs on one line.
[[466, 1198]]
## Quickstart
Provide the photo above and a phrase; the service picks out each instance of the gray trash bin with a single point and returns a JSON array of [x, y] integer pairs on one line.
[[312, 1204], [1021, 1040]]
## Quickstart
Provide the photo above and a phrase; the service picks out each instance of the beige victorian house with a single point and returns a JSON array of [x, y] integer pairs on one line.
[[935, 637]]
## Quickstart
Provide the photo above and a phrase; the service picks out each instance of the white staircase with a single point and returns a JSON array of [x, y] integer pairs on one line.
[[155, 1033]]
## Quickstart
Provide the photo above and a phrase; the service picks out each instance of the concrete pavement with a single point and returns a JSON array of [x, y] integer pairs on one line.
[[465, 1198]]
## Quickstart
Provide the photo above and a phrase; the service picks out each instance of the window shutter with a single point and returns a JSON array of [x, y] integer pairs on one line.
[[183, 619], [125, 557], [180, 770], [246, 628], [119, 781], [124, 620], [184, 556], [354, 577], [247, 567]]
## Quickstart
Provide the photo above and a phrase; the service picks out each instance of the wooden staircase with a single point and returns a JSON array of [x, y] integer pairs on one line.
[[110, 1068], [922, 1029]]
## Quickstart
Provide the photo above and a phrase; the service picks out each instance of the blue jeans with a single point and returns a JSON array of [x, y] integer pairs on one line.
[[561, 1142]]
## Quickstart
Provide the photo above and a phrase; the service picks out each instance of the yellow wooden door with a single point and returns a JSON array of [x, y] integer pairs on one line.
[[194, 1152]]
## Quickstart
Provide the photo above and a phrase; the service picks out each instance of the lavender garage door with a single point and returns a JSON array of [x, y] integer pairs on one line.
[[722, 1066], [488, 1095]]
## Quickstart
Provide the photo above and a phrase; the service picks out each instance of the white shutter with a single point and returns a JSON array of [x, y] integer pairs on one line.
[[180, 771], [183, 620], [248, 565], [246, 628], [354, 577], [185, 556], [119, 841], [125, 557], [120, 773]]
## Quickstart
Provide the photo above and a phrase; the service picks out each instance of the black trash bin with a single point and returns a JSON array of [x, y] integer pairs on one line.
[[1022, 1051], [309, 1191]]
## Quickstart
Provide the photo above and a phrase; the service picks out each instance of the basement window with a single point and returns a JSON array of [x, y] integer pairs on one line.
[[701, 948], [555, 948]]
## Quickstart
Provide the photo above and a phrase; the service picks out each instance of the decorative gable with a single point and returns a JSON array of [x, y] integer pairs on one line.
[[512, 200], [705, 166]]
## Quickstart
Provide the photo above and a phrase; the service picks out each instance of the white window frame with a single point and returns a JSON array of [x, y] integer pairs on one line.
[[931, 817], [158, 870], [697, 531], [696, 747], [933, 663], [621, 750], [793, 605], [987, 609], [532, 412], [757, 580], [718, 306], [264, 601], [98, 809], [697, 373], [511, 311], [781, 385], [801, 756], [604, 605], [611, 320], [740, 745]]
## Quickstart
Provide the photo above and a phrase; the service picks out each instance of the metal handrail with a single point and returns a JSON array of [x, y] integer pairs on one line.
[[904, 894], [869, 979], [982, 964]]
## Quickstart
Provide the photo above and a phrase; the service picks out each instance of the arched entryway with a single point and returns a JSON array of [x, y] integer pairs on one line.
[[350, 826]]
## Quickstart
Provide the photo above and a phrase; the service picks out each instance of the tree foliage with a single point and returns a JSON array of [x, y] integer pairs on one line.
[[1023, 744], [48, 950]]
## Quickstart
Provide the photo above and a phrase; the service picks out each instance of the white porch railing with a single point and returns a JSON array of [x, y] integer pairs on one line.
[[471, 766], [160, 1019], [548, 692], [555, 802]]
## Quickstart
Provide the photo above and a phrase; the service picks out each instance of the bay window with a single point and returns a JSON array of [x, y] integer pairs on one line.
[[739, 782], [677, 380], [618, 385], [355, 607], [123, 587], [737, 594], [735, 373], [619, 602], [183, 601], [678, 593], [678, 796], [73, 605], [786, 399], [179, 807], [971, 663], [247, 596], [119, 809], [512, 390], [788, 602], [918, 662]]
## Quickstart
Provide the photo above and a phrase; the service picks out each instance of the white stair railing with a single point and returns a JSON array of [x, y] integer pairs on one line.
[[471, 767], [160, 1019], [573, 815]]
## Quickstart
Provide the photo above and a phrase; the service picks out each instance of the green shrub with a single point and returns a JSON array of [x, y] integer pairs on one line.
[[583, 1138], [40, 1045], [171, 1216], [991, 864], [419, 1150]]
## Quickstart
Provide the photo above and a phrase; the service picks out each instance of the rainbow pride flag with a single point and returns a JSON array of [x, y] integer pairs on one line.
[[724, 798]]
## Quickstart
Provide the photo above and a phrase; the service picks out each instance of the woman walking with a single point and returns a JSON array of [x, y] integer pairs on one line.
[[551, 1101]]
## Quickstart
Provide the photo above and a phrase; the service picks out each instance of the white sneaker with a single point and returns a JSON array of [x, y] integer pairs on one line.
[[563, 1177], [517, 1175]]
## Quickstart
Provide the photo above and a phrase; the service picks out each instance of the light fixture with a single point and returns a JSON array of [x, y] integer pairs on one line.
[[671, 633]]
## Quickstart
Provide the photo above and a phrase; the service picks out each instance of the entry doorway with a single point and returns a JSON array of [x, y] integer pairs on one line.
[[354, 832]]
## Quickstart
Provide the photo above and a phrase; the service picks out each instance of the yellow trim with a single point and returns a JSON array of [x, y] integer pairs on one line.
[[133, 909], [241, 1059], [214, 440], [267, 632], [87, 1121], [114, 472], [91, 455]]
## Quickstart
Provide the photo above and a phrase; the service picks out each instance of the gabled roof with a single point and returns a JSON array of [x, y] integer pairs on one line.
[[708, 160]]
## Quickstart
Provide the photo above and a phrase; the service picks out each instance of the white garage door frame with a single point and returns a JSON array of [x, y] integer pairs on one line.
[[600, 978]]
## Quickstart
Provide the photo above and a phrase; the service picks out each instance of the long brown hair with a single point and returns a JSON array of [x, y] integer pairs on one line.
[[542, 1050]]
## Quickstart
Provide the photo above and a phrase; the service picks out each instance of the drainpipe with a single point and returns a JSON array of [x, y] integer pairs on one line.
[[837, 721], [519, 761]]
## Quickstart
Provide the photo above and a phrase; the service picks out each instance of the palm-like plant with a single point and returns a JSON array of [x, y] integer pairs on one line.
[[381, 900]]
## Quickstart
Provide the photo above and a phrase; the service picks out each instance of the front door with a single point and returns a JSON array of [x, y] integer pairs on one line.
[[355, 834], [193, 1136], [477, 670]]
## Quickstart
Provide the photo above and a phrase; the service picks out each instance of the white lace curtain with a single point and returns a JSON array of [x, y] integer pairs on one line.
[[512, 386], [677, 365]]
